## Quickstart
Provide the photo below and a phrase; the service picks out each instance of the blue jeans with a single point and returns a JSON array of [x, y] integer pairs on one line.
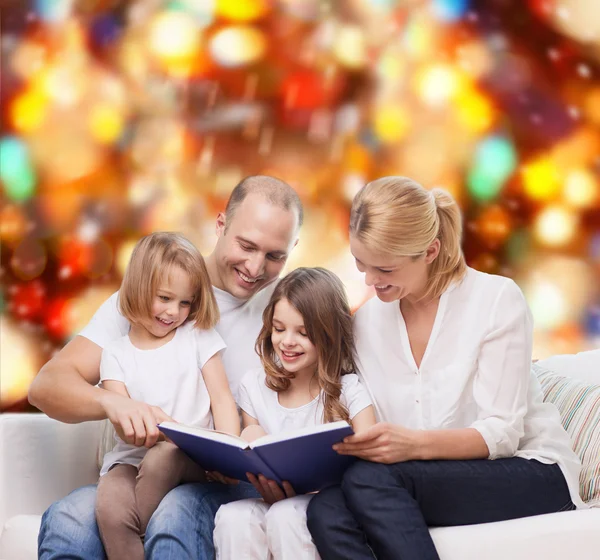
[[181, 527], [384, 511]]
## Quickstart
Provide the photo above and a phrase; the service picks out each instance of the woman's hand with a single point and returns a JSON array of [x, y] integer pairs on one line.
[[383, 443], [270, 491]]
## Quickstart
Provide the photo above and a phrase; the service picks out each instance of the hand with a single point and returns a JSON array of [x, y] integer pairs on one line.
[[214, 476], [270, 491], [134, 421], [382, 443]]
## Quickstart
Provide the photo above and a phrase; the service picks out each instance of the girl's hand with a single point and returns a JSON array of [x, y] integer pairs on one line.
[[214, 476], [383, 443], [270, 491]]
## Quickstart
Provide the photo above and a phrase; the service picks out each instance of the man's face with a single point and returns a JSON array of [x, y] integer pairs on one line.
[[255, 247]]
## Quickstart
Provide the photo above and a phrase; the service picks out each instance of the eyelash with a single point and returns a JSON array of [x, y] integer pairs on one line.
[[165, 299], [281, 330], [270, 257]]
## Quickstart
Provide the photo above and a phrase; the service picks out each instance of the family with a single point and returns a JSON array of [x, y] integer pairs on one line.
[[433, 374]]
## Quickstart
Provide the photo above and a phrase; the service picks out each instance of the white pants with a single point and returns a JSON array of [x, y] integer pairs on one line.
[[251, 529]]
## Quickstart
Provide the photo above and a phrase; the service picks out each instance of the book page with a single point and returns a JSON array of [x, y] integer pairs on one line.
[[292, 434], [213, 435]]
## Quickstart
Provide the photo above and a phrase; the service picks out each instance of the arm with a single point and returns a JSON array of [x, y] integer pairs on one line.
[[252, 429], [500, 390], [65, 390], [364, 419], [222, 405]]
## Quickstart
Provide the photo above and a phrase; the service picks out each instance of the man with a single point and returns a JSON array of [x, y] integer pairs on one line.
[[256, 233]]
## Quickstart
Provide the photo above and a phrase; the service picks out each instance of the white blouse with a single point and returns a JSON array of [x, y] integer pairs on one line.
[[475, 373]]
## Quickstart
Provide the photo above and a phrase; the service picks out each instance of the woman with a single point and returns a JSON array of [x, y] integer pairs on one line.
[[445, 352]]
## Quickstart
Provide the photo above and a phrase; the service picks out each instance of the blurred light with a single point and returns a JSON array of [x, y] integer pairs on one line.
[[541, 179], [29, 58], [29, 259], [28, 110], [581, 188], [202, 10], [475, 111], [16, 171], [83, 307], [391, 122], [555, 226], [54, 10], [19, 363], [349, 46], [547, 304], [12, 223], [307, 10], [438, 84], [495, 161], [450, 10], [578, 19], [592, 105], [494, 225], [242, 10], [124, 255], [475, 59], [237, 45], [418, 36], [106, 123], [174, 38]]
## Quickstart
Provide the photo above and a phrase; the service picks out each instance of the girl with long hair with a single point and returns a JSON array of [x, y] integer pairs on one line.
[[307, 378]]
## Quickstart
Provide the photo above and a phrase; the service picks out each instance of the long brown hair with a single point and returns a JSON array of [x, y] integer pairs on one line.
[[152, 258], [319, 296]]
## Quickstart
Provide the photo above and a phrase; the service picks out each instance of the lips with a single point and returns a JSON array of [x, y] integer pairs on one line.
[[164, 322], [290, 356], [247, 279]]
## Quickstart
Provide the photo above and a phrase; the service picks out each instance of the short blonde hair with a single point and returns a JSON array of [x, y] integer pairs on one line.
[[398, 217], [153, 257]]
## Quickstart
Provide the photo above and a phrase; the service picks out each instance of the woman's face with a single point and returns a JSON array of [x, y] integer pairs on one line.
[[394, 278]]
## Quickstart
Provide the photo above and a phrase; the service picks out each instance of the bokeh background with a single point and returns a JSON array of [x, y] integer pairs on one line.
[[122, 118]]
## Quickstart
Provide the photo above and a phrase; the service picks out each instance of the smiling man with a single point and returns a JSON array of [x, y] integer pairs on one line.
[[256, 233]]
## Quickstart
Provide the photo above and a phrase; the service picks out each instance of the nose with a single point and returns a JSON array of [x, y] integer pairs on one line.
[[371, 279], [288, 339], [172, 308], [255, 265]]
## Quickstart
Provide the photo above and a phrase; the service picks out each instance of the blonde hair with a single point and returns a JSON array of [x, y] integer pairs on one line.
[[153, 257], [397, 216], [319, 296]]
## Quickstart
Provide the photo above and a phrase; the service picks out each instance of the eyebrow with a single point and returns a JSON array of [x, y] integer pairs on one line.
[[281, 323], [360, 262], [255, 246]]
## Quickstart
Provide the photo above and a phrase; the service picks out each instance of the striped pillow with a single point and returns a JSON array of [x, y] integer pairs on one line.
[[579, 406]]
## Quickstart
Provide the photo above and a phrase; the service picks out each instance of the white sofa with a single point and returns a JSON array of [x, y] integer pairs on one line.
[[42, 460]]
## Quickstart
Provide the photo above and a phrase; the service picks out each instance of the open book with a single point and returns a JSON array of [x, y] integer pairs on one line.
[[304, 458]]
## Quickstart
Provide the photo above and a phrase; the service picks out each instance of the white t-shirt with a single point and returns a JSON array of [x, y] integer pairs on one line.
[[262, 403], [169, 377], [476, 372], [239, 325]]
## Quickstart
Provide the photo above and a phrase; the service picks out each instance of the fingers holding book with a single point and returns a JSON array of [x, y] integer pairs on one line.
[[270, 491]]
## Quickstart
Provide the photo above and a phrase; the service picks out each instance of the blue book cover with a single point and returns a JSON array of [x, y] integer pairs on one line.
[[304, 458]]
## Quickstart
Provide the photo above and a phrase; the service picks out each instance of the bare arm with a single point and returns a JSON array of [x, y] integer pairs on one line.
[[65, 387], [65, 390], [252, 429], [364, 420], [224, 410]]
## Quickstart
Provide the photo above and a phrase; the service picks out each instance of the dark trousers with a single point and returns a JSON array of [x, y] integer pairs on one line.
[[384, 511]]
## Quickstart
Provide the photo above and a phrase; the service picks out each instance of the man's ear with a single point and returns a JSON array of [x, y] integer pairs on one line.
[[432, 251], [221, 223]]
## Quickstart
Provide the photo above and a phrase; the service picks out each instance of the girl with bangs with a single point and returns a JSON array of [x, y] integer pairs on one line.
[[169, 360], [307, 378]]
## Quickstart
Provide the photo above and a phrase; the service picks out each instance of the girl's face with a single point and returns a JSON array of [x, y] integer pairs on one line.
[[394, 278], [171, 304], [296, 352]]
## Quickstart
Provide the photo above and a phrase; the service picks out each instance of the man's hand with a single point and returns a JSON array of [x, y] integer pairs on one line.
[[214, 476], [382, 443], [270, 491], [135, 422]]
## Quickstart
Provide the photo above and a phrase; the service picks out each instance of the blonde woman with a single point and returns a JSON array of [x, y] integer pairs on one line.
[[445, 351]]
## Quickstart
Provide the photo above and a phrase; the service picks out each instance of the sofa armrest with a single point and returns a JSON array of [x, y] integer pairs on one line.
[[42, 460]]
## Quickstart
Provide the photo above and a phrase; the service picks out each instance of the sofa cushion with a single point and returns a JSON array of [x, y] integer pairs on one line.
[[19, 538], [579, 405]]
